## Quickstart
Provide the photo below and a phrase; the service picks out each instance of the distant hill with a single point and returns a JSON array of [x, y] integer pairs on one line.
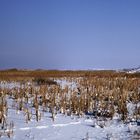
[[132, 70]]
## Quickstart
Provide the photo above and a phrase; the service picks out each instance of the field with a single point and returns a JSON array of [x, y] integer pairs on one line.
[[69, 105]]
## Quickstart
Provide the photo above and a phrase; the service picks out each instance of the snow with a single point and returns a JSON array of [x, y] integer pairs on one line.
[[9, 85], [135, 71], [69, 127], [64, 83]]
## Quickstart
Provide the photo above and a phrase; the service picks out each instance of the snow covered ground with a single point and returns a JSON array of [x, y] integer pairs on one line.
[[69, 127]]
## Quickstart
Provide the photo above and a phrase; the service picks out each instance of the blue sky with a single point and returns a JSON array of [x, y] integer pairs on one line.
[[69, 34]]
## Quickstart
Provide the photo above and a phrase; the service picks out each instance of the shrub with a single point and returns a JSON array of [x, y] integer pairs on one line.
[[43, 81]]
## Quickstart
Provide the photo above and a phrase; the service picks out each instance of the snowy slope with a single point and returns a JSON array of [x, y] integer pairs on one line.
[[132, 70]]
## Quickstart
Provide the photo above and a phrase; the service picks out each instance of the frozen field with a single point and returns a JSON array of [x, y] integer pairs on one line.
[[63, 127], [70, 128]]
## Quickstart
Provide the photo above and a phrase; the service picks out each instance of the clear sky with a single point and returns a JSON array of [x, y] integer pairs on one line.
[[69, 34]]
